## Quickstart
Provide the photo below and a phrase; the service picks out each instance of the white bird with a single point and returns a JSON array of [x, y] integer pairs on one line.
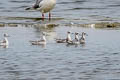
[[40, 42], [82, 39], [43, 6], [65, 40], [75, 41], [4, 42]]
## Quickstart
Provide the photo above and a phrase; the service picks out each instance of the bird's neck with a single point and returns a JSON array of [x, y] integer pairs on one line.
[[68, 36], [6, 40], [44, 38], [83, 36], [76, 37]]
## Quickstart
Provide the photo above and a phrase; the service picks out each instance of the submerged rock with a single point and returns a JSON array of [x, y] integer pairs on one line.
[[102, 25], [111, 25], [13, 25]]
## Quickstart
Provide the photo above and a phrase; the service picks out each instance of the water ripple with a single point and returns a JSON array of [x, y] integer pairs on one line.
[[98, 59], [14, 1], [86, 8]]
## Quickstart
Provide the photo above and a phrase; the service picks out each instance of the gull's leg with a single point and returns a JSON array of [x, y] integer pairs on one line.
[[49, 15]]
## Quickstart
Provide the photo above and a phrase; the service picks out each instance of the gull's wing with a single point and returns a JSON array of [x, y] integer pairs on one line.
[[35, 6]]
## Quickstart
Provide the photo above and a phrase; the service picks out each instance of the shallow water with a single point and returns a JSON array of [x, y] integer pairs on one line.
[[98, 59], [78, 11]]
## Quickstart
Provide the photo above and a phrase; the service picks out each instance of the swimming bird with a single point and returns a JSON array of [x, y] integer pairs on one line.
[[4, 42], [82, 39], [40, 42], [43, 6], [75, 41], [65, 40]]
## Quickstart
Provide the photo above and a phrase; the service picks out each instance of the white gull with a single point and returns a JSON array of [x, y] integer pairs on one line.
[[43, 6]]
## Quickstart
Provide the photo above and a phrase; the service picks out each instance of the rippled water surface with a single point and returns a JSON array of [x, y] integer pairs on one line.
[[98, 59], [72, 10]]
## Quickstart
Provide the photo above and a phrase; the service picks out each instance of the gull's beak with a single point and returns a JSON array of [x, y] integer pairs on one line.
[[7, 35]]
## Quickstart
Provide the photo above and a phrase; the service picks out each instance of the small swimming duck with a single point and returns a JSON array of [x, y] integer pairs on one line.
[[40, 42], [4, 42], [82, 39], [75, 41], [65, 40]]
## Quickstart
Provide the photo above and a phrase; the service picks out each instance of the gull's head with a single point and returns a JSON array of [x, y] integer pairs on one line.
[[76, 33], [68, 32], [35, 6], [83, 33], [6, 35], [43, 33]]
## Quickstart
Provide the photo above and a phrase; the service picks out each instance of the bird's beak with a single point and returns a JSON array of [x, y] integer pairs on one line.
[[8, 36]]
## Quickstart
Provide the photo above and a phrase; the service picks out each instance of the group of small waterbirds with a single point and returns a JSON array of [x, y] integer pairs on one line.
[[43, 40], [74, 41]]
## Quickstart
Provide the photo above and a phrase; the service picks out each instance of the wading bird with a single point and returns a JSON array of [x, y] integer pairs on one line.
[[43, 6]]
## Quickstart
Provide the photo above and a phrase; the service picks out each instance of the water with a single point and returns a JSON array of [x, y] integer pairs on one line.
[[98, 59], [82, 11]]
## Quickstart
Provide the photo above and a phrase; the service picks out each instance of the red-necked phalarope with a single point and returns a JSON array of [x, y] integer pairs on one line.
[[4, 42], [65, 40], [82, 39], [40, 42], [75, 41]]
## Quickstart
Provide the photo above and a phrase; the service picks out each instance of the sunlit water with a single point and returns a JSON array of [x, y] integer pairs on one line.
[[98, 59]]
